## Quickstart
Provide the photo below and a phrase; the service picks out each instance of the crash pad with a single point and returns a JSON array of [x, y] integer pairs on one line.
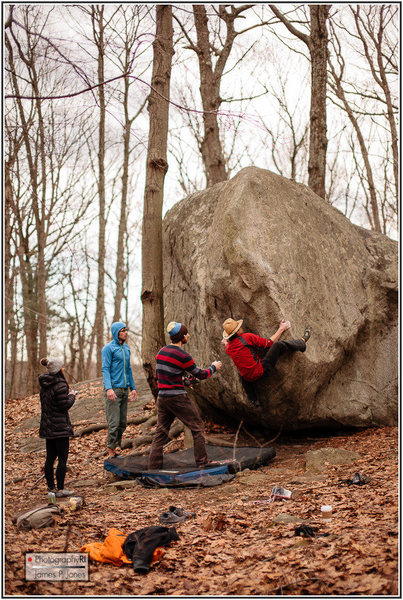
[[180, 470]]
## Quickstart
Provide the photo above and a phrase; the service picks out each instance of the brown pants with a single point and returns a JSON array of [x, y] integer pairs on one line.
[[182, 407]]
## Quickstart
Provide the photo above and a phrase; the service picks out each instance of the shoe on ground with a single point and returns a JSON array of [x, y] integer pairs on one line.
[[175, 515], [181, 512], [167, 518], [307, 333], [64, 493]]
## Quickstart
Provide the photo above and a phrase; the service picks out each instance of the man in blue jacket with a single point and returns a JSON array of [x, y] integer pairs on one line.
[[118, 380]]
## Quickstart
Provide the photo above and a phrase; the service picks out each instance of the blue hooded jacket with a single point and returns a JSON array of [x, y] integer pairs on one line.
[[116, 369]]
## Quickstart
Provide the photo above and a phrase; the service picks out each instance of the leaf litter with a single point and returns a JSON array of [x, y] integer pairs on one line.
[[232, 546]]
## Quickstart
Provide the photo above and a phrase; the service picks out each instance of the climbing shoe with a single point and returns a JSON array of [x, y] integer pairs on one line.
[[307, 333]]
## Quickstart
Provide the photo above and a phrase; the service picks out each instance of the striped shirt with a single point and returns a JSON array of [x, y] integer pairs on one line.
[[172, 362]]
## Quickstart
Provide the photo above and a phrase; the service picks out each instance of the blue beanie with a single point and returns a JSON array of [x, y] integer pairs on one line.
[[176, 331], [173, 328]]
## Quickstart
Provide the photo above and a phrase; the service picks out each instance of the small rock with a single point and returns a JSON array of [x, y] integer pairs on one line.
[[253, 478], [120, 485], [307, 478], [84, 483], [286, 518], [162, 491], [243, 473], [32, 445], [316, 459], [111, 476]]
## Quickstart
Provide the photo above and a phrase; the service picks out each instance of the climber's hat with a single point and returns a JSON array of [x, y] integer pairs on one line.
[[231, 327]]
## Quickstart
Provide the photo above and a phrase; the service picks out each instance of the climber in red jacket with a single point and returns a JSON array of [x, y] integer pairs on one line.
[[241, 346]]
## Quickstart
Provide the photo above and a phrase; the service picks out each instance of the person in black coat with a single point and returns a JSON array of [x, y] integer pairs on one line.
[[55, 424]]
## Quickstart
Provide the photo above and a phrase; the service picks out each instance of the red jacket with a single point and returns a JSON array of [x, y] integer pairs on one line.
[[249, 368]]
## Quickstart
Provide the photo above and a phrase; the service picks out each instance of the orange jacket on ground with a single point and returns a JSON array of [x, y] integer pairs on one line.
[[110, 550]]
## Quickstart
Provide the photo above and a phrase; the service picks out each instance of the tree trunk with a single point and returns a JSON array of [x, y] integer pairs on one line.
[[8, 299], [213, 158], [10, 329], [29, 300], [97, 19], [318, 42], [157, 166], [28, 276], [40, 226], [121, 273]]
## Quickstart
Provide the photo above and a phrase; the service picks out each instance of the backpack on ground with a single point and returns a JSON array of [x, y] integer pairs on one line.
[[35, 518]]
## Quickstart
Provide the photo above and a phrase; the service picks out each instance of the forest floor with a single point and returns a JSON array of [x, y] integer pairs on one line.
[[238, 543]]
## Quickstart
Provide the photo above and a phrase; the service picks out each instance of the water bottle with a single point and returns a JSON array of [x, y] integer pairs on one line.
[[52, 498]]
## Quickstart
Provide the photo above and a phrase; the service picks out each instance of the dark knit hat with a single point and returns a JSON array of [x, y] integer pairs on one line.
[[176, 331]]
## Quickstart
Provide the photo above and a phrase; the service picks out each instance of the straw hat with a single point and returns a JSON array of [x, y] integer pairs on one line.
[[230, 327]]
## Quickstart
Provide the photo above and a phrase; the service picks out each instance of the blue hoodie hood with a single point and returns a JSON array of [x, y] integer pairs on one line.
[[115, 328], [116, 369]]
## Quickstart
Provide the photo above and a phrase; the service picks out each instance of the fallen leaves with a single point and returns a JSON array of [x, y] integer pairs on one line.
[[232, 546]]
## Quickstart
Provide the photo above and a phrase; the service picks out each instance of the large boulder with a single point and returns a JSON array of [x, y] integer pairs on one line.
[[262, 248]]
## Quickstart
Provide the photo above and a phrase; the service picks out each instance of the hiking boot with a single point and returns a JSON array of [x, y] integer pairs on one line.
[[307, 334], [64, 493]]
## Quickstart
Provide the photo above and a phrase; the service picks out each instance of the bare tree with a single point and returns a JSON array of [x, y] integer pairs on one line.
[[317, 44], [40, 146], [128, 34], [380, 51], [213, 48], [336, 84], [98, 31], [152, 262], [289, 136]]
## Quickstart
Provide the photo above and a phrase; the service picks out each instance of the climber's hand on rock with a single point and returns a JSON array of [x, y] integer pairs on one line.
[[217, 364], [284, 325]]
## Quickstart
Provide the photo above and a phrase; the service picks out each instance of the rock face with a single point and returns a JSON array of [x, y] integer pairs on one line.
[[262, 248]]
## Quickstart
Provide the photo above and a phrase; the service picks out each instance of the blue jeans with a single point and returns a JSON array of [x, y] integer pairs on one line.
[[116, 417]]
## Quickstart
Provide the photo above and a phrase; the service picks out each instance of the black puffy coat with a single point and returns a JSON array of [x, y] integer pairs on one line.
[[55, 404]]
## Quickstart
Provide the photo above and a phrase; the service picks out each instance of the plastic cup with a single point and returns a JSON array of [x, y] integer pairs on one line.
[[326, 512]]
